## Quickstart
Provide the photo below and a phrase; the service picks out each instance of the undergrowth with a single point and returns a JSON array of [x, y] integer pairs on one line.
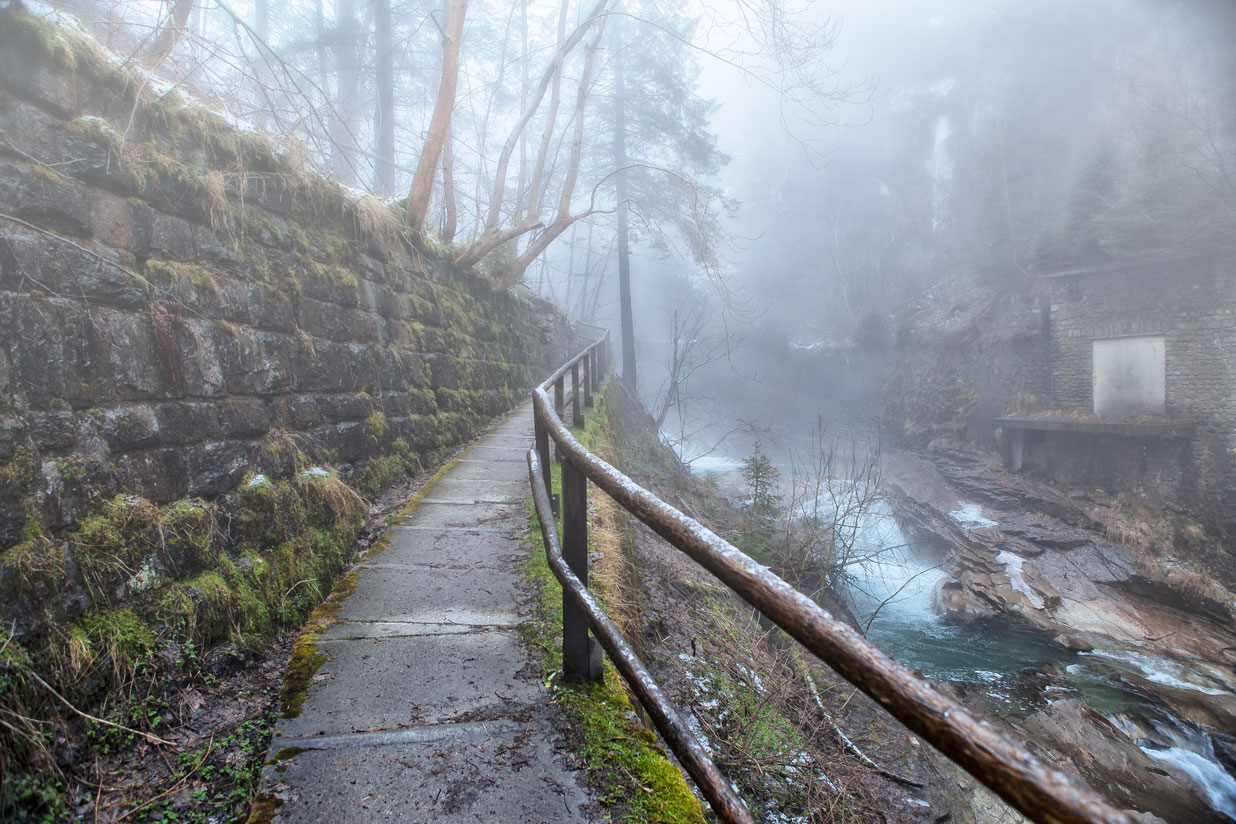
[[165, 584]]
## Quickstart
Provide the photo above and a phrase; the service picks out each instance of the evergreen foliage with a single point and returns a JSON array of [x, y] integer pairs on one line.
[[763, 507], [1165, 189]]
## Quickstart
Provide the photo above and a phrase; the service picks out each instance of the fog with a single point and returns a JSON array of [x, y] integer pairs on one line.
[[791, 174], [971, 262], [961, 134]]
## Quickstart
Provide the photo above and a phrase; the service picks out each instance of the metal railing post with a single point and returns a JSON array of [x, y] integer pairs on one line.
[[581, 657], [577, 397], [588, 376], [558, 403]]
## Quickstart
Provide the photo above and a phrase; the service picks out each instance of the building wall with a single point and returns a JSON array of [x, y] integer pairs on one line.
[[1192, 304]]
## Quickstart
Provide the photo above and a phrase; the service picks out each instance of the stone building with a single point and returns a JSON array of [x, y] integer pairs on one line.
[[1140, 394]]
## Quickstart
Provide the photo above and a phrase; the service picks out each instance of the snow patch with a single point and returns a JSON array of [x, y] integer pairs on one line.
[[970, 516], [1012, 564]]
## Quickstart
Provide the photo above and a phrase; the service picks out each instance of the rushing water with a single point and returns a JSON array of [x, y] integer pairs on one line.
[[894, 591], [891, 590]]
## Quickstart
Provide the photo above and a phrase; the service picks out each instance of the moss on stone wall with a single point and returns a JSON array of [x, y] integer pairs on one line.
[[926, 397], [209, 356], [165, 582]]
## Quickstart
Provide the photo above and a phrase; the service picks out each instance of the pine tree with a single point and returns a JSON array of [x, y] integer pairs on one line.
[[762, 476]]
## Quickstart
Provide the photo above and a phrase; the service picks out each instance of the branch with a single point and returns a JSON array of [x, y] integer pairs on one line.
[[504, 160], [473, 254], [151, 737]]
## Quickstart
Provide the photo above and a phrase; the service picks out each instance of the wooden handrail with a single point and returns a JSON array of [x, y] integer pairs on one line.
[[1041, 793]]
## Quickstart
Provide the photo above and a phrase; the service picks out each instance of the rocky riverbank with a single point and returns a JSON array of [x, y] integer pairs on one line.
[[1143, 693]]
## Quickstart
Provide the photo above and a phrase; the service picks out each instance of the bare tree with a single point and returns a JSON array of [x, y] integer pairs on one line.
[[694, 344], [552, 71], [440, 125], [173, 29]]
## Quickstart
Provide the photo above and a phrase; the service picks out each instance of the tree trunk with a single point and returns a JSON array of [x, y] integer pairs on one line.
[[504, 160], [523, 92], [624, 261], [347, 89], [319, 35], [440, 124], [451, 222], [259, 65], [473, 254], [171, 31], [564, 220], [534, 191], [384, 113], [261, 20]]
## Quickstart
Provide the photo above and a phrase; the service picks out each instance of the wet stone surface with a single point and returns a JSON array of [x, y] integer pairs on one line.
[[424, 708]]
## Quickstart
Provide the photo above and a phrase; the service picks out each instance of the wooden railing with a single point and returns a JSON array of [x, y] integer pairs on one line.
[[1044, 795]]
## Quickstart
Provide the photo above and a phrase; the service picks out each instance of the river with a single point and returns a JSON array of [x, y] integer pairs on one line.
[[1011, 669]]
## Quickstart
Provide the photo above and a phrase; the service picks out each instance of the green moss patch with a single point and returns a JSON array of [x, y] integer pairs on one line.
[[306, 660], [167, 582]]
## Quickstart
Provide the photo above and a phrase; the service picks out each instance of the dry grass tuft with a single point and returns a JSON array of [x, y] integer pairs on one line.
[[378, 223]]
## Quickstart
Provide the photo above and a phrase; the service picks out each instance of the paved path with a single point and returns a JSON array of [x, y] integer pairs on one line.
[[427, 708]]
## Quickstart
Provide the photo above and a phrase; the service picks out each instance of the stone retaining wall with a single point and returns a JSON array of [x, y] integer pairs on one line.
[[182, 306]]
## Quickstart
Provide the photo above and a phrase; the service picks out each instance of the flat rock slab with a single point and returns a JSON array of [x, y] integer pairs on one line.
[[426, 708]]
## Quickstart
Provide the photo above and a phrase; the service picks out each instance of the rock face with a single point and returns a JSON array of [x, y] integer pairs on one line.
[[1092, 747], [181, 307], [1035, 556]]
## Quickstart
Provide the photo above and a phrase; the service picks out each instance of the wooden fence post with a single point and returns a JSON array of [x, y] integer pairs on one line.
[[542, 452], [588, 373], [558, 403], [581, 656], [577, 397]]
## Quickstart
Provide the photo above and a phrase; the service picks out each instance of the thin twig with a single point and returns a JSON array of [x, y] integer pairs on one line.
[[100, 258], [151, 737]]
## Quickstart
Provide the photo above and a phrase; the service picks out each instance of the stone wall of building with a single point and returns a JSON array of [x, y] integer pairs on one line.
[[1191, 303], [1027, 354]]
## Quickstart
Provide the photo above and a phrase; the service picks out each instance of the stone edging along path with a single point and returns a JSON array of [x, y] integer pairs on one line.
[[425, 707]]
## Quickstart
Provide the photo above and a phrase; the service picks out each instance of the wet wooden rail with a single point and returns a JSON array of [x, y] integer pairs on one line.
[[1039, 792]]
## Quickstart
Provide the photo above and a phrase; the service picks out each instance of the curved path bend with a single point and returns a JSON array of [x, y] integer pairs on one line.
[[427, 707]]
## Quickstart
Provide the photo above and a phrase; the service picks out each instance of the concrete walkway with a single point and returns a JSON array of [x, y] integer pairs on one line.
[[427, 707]]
